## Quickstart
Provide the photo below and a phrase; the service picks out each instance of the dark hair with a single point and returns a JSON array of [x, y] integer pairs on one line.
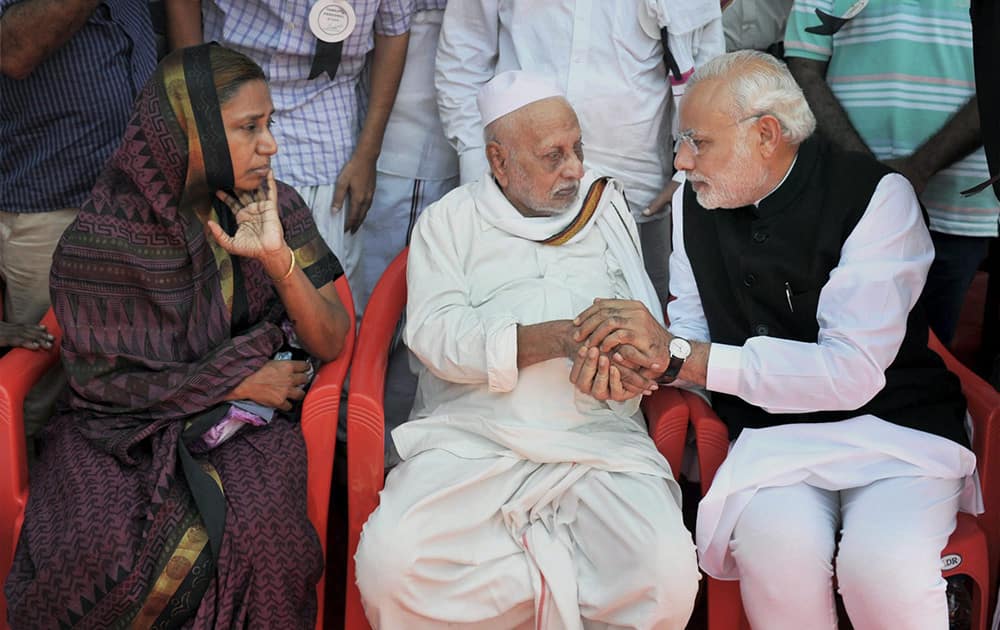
[[231, 70]]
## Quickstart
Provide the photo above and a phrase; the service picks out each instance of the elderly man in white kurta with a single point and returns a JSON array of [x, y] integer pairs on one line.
[[609, 60], [521, 501]]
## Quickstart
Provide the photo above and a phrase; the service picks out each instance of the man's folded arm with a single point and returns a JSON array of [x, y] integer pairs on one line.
[[444, 330]]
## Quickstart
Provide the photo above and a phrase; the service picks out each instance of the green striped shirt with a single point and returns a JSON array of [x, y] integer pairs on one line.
[[901, 70]]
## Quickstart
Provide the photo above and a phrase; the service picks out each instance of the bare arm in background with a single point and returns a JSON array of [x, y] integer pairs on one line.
[[183, 23], [958, 137], [23, 46], [357, 178], [831, 119]]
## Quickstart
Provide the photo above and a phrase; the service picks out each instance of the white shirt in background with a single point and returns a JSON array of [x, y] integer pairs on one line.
[[610, 68]]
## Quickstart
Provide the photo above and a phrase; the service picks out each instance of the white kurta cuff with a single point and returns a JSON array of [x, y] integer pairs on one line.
[[501, 353], [723, 373], [472, 164]]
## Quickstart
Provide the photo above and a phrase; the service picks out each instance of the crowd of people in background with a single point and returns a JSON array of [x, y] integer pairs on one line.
[[375, 118], [389, 124]]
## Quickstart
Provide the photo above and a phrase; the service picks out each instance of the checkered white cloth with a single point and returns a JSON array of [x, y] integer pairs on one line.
[[316, 122]]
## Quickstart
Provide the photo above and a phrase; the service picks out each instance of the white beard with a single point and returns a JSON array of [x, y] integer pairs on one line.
[[739, 185], [542, 207], [553, 210]]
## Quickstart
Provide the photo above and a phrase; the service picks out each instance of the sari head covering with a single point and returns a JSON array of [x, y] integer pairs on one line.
[[160, 325], [146, 298]]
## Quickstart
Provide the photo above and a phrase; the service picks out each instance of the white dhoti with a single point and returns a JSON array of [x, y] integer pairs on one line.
[[501, 542]]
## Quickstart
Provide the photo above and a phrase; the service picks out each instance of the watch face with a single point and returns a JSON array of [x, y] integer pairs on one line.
[[679, 348]]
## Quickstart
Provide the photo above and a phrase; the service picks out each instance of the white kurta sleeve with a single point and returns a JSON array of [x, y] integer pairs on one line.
[[449, 335], [466, 59], [685, 313], [709, 43], [862, 315]]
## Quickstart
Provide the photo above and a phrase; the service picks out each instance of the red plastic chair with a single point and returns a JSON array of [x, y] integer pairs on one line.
[[366, 418], [967, 552], [319, 430], [666, 414], [21, 368], [984, 406]]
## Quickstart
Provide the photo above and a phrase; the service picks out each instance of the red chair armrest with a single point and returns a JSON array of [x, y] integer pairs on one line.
[[667, 420], [711, 438], [319, 419], [984, 407]]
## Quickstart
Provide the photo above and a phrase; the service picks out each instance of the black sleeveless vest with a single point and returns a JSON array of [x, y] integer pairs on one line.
[[744, 259]]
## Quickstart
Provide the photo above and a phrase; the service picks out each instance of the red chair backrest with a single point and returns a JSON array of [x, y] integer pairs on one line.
[[984, 407], [366, 417], [320, 411]]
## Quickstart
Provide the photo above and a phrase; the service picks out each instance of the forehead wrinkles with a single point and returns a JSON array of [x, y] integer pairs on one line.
[[550, 123]]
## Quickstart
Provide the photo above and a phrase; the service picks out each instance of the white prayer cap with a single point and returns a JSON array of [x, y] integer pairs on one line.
[[512, 90]]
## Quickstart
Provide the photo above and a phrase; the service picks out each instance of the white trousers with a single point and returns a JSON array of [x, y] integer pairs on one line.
[[397, 203], [491, 543], [888, 563], [330, 223]]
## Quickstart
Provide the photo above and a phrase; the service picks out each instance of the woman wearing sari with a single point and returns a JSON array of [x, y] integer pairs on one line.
[[185, 272]]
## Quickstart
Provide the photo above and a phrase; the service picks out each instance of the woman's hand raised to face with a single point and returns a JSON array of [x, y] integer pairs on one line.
[[258, 233]]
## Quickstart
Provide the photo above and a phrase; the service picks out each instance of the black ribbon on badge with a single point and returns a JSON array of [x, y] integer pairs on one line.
[[668, 58], [326, 59]]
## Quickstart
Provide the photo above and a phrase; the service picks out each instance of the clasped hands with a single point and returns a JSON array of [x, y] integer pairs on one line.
[[622, 350]]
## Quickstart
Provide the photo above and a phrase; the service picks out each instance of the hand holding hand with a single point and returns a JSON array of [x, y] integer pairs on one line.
[[277, 384], [593, 373], [626, 328], [259, 233]]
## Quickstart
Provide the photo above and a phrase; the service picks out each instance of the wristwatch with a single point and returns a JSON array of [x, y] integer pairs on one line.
[[680, 349]]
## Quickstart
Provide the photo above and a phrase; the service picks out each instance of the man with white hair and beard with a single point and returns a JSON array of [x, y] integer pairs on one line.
[[522, 499], [797, 270]]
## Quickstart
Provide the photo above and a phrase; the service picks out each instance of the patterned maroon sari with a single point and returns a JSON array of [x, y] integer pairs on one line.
[[125, 527]]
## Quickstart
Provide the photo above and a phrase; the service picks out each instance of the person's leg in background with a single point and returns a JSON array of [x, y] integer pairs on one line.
[[654, 237], [397, 203], [330, 223], [28, 241], [956, 259]]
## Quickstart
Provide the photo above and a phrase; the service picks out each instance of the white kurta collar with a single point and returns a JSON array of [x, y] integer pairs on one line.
[[610, 217], [498, 211]]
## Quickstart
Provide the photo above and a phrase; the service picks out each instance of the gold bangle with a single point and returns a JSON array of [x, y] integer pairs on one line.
[[291, 267]]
